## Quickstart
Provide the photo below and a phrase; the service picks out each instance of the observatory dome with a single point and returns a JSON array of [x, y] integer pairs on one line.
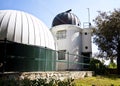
[[21, 27], [66, 18]]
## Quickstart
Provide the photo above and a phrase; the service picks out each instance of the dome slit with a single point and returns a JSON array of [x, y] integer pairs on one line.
[[37, 31], [10, 31], [21, 28], [26, 26], [44, 34], [33, 30], [18, 28], [28, 29], [7, 26], [2, 20], [4, 25], [14, 27]]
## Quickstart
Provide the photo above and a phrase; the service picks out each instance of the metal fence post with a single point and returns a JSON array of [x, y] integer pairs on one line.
[[4, 60], [45, 60], [68, 61]]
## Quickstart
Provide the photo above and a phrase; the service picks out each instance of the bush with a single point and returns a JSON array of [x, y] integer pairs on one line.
[[98, 67], [37, 82], [12, 82]]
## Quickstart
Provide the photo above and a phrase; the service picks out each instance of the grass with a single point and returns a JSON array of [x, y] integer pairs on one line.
[[112, 80]]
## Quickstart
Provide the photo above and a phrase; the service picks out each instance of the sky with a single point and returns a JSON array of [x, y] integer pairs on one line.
[[46, 10]]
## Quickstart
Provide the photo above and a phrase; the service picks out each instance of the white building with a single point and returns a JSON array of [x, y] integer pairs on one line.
[[26, 44], [71, 40]]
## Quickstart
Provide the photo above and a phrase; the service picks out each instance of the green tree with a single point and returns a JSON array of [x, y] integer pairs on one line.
[[107, 35], [112, 65], [97, 66]]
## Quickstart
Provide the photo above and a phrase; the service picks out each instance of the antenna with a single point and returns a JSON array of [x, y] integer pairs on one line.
[[88, 24], [89, 17]]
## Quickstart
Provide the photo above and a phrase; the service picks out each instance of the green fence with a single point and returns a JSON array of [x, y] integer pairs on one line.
[[21, 57], [68, 61], [27, 58]]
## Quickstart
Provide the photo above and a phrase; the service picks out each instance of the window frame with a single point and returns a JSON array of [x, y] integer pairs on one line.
[[61, 34], [62, 55]]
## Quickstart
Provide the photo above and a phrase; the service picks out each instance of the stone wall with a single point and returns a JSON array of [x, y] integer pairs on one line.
[[48, 75]]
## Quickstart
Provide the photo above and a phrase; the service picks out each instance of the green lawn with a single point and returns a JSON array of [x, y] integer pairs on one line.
[[99, 81]]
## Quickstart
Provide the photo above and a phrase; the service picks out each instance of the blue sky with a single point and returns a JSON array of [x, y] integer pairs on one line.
[[46, 10]]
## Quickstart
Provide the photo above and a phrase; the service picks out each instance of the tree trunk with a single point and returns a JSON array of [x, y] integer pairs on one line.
[[118, 59], [118, 65]]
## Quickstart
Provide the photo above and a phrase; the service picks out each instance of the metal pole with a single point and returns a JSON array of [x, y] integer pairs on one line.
[[88, 16], [45, 60], [68, 61], [4, 61]]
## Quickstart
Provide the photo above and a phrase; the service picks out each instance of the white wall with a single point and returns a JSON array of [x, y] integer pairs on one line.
[[86, 40], [72, 44]]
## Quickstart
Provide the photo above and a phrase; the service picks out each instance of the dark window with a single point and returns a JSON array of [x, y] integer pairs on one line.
[[85, 33], [61, 54], [86, 47]]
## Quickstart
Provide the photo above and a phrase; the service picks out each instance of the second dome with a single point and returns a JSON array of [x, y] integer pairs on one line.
[[66, 18]]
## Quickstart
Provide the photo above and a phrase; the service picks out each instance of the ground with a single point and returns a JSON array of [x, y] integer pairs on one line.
[[111, 80]]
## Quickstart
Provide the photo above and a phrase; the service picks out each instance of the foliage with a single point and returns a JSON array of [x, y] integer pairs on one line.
[[107, 34], [112, 65], [36, 82], [98, 67], [6, 82]]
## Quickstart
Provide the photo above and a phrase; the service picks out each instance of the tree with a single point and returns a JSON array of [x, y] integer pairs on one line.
[[112, 65], [107, 35], [97, 66]]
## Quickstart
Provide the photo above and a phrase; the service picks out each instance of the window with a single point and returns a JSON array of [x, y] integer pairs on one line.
[[85, 33], [61, 54], [86, 47], [61, 34]]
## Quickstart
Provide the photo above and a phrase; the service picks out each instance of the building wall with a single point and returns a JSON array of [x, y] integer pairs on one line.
[[86, 40], [72, 44], [57, 75], [86, 46]]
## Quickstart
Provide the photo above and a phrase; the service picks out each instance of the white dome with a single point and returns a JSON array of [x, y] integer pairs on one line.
[[24, 28]]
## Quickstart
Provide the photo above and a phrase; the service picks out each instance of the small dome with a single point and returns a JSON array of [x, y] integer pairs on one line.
[[24, 28], [66, 18]]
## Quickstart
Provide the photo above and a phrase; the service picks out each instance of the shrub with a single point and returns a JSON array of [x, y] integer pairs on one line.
[[36, 82], [98, 67]]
